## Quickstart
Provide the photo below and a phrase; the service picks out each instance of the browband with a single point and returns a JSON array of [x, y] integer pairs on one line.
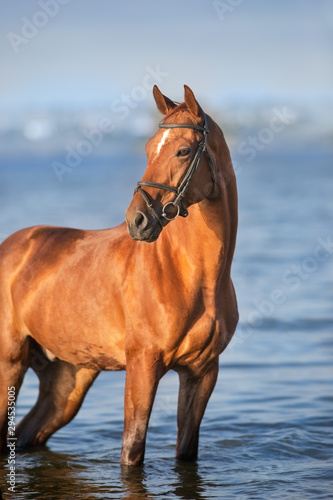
[[183, 125]]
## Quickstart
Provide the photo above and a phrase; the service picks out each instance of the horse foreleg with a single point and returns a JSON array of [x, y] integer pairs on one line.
[[61, 393], [143, 374], [194, 393]]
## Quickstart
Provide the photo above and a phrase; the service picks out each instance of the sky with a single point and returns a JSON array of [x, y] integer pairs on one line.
[[80, 53]]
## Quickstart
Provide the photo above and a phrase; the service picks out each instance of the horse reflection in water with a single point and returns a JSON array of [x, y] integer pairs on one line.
[[150, 295]]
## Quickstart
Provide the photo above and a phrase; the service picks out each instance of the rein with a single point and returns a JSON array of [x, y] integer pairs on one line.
[[181, 190]]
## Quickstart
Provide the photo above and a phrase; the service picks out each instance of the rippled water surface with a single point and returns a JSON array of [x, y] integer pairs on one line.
[[267, 432]]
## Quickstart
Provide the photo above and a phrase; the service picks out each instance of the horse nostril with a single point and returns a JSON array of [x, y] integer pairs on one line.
[[140, 220]]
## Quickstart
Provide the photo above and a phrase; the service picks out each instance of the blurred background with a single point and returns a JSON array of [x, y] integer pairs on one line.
[[68, 63], [76, 109]]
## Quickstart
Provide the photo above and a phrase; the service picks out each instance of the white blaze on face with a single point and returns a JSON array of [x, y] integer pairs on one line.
[[162, 141]]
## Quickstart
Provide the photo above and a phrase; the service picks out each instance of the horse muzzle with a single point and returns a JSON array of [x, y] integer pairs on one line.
[[143, 226]]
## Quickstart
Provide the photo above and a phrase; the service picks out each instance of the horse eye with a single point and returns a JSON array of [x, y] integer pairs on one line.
[[183, 152]]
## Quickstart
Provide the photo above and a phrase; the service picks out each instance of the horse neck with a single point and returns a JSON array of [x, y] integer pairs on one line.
[[207, 236]]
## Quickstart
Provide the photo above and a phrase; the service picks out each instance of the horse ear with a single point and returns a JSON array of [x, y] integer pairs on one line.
[[192, 104], [163, 103]]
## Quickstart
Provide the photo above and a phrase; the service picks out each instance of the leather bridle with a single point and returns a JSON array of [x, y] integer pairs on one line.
[[181, 190]]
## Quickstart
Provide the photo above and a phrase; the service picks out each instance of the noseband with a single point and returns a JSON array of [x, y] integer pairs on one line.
[[181, 190]]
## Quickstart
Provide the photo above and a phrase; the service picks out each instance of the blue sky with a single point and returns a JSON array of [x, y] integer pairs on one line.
[[90, 52]]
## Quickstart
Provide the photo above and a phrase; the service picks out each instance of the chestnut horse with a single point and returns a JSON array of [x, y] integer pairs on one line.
[[149, 296]]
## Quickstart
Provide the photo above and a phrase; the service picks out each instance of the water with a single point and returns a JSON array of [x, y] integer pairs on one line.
[[267, 432]]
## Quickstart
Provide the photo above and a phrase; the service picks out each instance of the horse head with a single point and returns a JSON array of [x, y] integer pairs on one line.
[[180, 169]]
